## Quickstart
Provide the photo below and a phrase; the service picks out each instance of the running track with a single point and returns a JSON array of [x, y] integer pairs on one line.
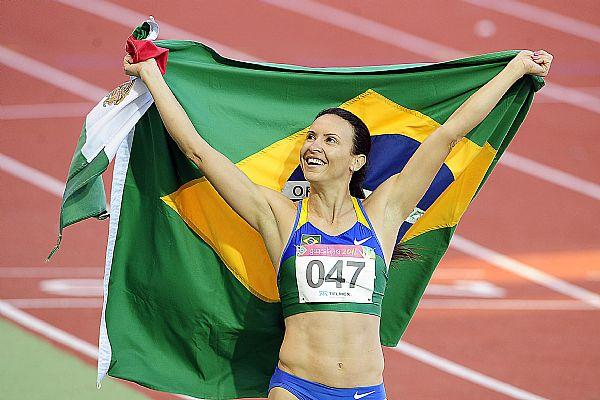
[[513, 309]]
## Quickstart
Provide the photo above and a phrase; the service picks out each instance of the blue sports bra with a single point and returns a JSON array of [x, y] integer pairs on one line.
[[320, 272]]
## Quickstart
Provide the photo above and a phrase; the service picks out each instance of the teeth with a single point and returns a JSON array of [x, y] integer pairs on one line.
[[315, 161]]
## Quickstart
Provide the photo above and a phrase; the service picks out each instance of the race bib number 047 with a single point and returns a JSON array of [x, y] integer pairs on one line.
[[335, 273]]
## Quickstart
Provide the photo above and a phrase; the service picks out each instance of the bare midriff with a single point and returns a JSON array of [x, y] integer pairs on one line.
[[338, 349]]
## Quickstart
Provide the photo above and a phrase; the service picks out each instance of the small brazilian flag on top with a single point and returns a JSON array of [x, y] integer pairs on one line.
[[191, 303]]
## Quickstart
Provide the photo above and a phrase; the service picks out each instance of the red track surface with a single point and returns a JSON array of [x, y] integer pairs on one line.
[[551, 353]]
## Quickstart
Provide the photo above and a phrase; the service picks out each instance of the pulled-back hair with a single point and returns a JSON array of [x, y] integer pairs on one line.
[[362, 145]]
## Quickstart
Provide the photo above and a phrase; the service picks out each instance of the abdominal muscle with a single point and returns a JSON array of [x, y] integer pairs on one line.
[[338, 349]]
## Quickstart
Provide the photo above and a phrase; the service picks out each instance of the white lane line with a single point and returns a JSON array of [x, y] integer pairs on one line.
[[465, 373], [51, 75], [50, 110], [369, 28], [571, 96], [541, 16], [45, 329], [130, 19], [505, 304], [72, 287], [50, 272], [34, 176], [53, 302], [551, 174], [31, 175], [103, 9], [528, 272], [415, 44]]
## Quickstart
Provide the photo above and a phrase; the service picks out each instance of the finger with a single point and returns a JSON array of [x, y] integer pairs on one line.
[[540, 72], [525, 53], [545, 55], [543, 60]]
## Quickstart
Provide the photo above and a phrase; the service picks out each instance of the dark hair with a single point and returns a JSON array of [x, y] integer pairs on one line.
[[362, 145]]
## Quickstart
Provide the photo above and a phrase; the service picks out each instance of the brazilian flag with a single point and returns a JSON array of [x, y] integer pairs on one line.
[[191, 302]]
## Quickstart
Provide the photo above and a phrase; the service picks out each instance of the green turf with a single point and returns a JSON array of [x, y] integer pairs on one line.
[[31, 368]]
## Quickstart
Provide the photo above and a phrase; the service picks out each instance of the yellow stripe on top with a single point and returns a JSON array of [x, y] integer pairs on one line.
[[359, 214], [303, 218]]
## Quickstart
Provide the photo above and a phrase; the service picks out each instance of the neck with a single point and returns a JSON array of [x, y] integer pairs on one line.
[[329, 201]]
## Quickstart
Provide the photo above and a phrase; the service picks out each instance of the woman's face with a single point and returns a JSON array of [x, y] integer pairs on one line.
[[327, 151]]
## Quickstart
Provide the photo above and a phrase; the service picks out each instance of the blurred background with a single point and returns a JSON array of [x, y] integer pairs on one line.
[[513, 308]]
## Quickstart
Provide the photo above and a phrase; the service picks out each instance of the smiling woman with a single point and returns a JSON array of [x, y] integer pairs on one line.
[[332, 272], [332, 250], [353, 128]]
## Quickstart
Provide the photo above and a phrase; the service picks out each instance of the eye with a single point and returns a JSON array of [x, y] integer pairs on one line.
[[310, 136], [331, 139]]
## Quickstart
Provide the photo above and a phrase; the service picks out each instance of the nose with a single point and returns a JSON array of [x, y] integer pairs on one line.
[[316, 146]]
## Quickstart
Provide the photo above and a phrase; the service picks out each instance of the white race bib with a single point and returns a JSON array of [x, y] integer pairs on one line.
[[335, 273]]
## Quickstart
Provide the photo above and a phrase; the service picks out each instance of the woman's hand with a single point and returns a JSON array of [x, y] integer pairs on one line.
[[534, 63], [137, 69]]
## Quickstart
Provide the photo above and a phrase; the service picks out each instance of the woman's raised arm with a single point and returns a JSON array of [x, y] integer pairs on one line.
[[254, 203], [395, 198]]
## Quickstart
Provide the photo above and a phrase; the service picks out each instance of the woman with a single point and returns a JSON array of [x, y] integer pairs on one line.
[[332, 249]]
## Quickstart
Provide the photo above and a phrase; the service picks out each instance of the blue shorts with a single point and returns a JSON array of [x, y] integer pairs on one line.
[[306, 390]]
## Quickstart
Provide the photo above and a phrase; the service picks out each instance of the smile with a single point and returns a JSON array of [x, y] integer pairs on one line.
[[314, 161]]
